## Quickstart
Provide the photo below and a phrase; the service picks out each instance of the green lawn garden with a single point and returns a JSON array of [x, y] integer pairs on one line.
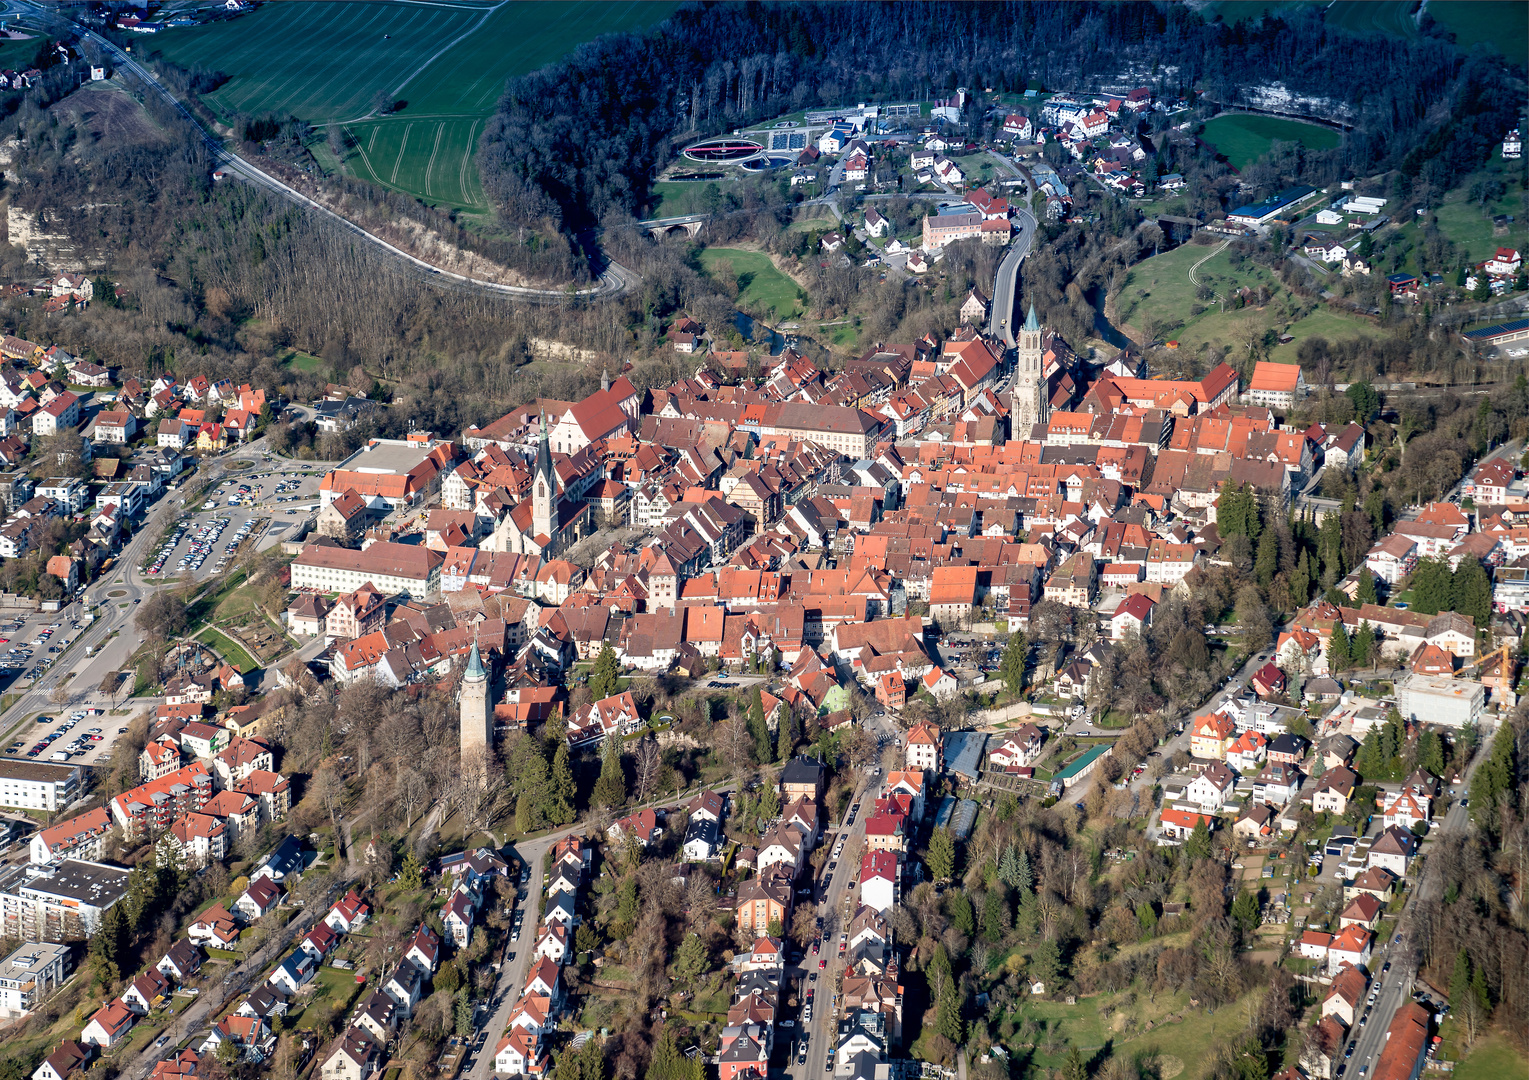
[[230, 652]]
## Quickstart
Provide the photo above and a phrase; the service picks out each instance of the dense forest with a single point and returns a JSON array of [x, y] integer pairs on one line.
[[583, 136]]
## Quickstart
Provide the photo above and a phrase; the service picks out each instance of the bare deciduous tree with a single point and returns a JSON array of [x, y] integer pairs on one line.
[[649, 761], [412, 792], [736, 743], [480, 790]]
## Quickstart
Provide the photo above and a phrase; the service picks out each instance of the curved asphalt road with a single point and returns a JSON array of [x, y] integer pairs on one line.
[[1006, 285], [614, 279]]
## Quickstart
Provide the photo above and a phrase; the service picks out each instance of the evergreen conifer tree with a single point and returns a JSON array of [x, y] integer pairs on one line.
[[610, 789], [560, 790]]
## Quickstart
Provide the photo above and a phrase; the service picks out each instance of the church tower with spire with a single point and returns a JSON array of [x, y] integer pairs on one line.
[[473, 705], [1032, 405], [543, 489]]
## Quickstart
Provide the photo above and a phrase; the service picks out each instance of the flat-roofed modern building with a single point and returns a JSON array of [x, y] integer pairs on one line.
[[62, 903], [38, 785], [1431, 699], [29, 975]]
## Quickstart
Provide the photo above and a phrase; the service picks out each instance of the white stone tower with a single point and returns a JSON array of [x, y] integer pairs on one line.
[[473, 704], [1032, 405]]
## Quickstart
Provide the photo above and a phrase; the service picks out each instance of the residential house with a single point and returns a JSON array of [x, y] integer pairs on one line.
[[923, 748], [1333, 791], [1211, 789], [355, 1055], [108, 1026], [1393, 850]]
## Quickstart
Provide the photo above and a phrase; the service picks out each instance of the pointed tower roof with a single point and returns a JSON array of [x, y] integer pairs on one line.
[[1031, 322], [605, 379], [544, 456], [475, 669], [663, 567]]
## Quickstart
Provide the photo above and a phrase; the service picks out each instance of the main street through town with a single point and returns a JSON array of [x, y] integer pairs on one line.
[[1394, 965], [831, 889]]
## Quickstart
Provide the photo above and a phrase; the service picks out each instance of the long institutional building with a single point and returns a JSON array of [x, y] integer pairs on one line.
[[58, 903], [405, 569], [38, 785]]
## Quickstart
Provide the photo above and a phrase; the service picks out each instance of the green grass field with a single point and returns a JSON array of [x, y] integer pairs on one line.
[[1323, 322], [446, 63], [1500, 24], [1160, 287], [429, 158], [1245, 138], [1234, 11], [678, 198], [1493, 1059], [18, 54], [301, 361], [231, 652], [1374, 16], [762, 288], [1469, 225]]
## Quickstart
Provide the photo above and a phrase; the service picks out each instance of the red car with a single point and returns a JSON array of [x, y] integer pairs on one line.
[[823, 963]]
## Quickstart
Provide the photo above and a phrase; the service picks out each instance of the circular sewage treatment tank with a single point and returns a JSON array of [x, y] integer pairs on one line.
[[765, 164], [723, 150]]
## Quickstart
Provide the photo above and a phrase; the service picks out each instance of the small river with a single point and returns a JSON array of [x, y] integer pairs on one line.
[[1102, 326]]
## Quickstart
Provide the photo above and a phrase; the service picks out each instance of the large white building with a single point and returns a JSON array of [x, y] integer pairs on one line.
[[37, 785], [29, 975], [409, 569], [61, 903], [1431, 699]]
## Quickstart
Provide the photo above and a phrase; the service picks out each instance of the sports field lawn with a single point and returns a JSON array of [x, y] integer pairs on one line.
[[444, 63], [761, 287], [1245, 138], [1499, 24]]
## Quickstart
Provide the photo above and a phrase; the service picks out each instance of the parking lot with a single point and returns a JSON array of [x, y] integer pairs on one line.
[[30, 644], [244, 507], [84, 735], [969, 653]]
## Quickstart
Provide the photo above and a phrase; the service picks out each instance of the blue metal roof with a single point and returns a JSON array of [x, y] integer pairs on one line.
[[1497, 329]]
